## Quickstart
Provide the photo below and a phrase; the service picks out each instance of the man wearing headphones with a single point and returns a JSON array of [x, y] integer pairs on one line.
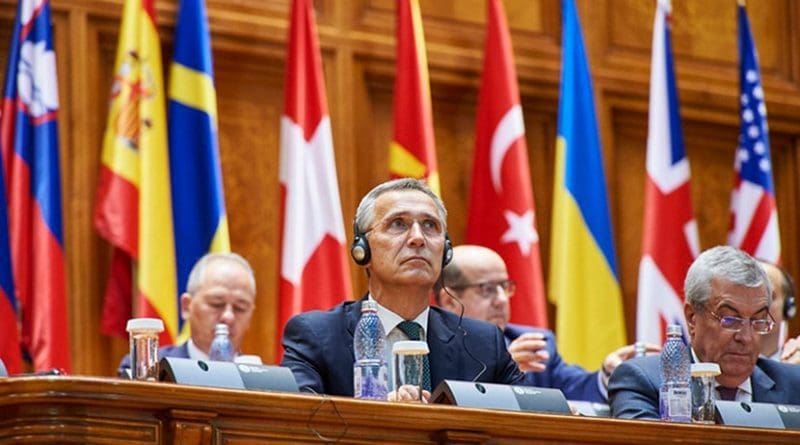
[[774, 345], [400, 239]]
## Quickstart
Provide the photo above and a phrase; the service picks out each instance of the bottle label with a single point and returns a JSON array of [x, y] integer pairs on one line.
[[370, 380], [679, 404]]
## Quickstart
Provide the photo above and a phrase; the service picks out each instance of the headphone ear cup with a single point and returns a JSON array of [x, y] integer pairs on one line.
[[448, 251], [359, 250]]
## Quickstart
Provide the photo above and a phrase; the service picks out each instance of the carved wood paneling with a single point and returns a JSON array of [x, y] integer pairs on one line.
[[357, 40]]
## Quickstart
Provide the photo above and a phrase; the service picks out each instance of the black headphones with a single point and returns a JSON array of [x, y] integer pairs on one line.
[[361, 253], [789, 302]]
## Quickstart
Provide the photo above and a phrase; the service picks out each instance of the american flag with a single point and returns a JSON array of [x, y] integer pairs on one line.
[[754, 215]]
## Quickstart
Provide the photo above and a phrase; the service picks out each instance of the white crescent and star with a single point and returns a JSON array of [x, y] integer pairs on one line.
[[521, 227]]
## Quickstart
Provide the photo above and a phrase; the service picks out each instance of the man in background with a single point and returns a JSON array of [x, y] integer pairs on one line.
[[221, 289], [477, 282], [775, 345], [727, 312]]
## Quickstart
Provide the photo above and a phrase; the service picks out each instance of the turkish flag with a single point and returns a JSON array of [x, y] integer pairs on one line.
[[501, 209], [313, 267]]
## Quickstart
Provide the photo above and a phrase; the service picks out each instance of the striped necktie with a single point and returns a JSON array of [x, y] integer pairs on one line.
[[726, 393], [412, 330]]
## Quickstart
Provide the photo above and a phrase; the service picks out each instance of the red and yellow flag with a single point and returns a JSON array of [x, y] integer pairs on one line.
[[412, 152], [133, 209]]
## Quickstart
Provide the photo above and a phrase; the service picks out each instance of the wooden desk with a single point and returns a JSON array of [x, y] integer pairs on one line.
[[96, 410]]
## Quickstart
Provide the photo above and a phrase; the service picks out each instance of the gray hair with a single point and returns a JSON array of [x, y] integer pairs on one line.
[[365, 213], [725, 263], [198, 271]]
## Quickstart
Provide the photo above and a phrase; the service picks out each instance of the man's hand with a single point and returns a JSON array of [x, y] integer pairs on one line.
[[529, 351], [620, 355], [409, 393], [791, 351]]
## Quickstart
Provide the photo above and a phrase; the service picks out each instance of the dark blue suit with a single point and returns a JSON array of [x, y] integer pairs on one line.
[[575, 382], [319, 350], [180, 351], [633, 388]]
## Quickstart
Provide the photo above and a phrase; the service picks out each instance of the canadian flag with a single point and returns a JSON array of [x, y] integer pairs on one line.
[[313, 268], [501, 209]]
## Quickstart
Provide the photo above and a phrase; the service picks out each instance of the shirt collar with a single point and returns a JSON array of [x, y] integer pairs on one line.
[[746, 386], [390, 320], [194, 352]]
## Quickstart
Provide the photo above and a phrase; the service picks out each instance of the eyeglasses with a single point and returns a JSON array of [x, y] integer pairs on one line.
[[488, 289], [760, 326], [401, 224]]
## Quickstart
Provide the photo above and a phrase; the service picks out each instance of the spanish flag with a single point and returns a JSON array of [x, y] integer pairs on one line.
[[584, 280], [133, 209], [412, 152]]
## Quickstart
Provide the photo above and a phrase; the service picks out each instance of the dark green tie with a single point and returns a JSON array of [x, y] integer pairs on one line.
[[412, 330]]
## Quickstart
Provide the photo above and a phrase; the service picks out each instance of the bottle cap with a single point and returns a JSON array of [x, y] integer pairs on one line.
[[221, 328], [145, 324], [674, 329], [410, 347], [705, 370]]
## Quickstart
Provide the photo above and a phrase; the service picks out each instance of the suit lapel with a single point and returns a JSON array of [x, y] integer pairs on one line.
[[764, 387], [443, 356]]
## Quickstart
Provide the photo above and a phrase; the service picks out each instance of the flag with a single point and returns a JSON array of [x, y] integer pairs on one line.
[[10, 347], [669, 242], [412, 152], [501, 209], [29, 142], [313, 267], [133, 210], [584, 281], [754, 214], [198, 204]]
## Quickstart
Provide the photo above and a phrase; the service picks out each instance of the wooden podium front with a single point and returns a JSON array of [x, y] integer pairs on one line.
[[99, 410]]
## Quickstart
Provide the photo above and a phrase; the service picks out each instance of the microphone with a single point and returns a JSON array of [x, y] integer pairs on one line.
[[464, 332]]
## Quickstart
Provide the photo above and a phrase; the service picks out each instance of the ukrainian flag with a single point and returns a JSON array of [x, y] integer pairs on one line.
[[584, 281], [198, 203]]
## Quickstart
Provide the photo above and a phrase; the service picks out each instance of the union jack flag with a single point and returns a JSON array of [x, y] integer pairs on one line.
[[669, 240], [754, 215]]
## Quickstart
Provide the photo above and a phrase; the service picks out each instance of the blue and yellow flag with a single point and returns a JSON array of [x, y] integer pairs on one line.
[[584, 282], [198, 203]]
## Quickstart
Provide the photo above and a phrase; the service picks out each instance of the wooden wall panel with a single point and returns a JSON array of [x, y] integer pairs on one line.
[[357, 39]]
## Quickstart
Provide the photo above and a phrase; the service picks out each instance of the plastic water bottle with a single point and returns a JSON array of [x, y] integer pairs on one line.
[[369, 370], [675, 398], [221, 349]]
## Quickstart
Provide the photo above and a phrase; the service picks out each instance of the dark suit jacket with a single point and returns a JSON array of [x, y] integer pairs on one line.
[[575, 382], [633, 388], [319, 350], [180, 351]]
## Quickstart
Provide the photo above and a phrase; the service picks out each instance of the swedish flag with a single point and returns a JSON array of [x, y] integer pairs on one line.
[[198, 204]]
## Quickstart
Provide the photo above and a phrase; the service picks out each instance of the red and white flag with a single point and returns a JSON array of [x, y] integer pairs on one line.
[[670, 241], [313, 267], [501, 210]]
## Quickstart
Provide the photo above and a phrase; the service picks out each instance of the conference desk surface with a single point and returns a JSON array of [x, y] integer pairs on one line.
[[100, 410]]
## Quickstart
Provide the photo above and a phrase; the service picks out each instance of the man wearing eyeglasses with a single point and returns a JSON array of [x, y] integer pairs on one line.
[[477, 281], [775, 345], [727, 312]]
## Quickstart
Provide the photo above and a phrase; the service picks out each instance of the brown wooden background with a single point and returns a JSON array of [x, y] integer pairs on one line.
[[357, 39]]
